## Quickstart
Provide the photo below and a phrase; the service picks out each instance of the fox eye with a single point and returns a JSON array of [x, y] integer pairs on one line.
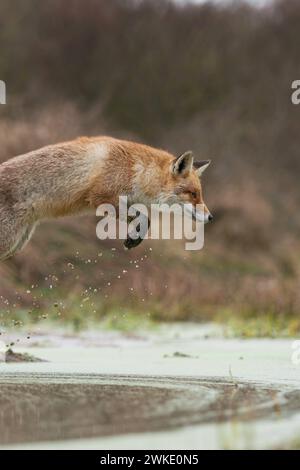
[[193, 194]]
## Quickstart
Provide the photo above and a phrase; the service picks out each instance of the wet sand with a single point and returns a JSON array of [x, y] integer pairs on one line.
[[105, 406], [157, 391]]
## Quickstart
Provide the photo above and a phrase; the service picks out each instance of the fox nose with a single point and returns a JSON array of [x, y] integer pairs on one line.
[[210, 217]]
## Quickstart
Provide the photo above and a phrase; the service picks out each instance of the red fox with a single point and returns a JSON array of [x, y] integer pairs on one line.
[[71, 177]]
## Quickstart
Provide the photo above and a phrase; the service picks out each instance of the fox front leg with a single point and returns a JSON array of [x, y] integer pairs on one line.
[[141, 230]]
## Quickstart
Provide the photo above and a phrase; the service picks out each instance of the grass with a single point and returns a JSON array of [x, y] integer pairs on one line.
[[266, 325], [81, 313], [248, 298], [128, 321], [251, 254]]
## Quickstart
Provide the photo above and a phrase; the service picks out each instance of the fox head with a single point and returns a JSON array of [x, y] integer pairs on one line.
[[184, 186]]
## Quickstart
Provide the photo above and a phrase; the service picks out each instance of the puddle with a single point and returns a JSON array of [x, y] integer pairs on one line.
[[61, 407], [104, 390]]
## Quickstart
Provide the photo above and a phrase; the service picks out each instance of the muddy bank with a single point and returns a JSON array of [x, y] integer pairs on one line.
[[11, 356], [59, 409], [174, 388]]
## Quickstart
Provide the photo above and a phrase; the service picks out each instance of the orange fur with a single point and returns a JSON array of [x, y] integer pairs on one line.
[[71, 177]]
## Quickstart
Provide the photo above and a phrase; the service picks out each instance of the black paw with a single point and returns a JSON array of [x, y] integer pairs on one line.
[[131, 243]]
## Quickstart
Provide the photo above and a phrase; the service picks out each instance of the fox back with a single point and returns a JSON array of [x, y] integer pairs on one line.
[[72, 177]]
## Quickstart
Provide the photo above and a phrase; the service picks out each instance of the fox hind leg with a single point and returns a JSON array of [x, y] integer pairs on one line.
[[13, 242], [25, 236], [9, 232]]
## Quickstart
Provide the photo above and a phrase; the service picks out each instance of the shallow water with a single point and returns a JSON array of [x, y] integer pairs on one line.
[[46, 408], [177, 387]]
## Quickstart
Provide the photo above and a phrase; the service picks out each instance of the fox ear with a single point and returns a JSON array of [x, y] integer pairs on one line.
[[183, 164], [201, 166]]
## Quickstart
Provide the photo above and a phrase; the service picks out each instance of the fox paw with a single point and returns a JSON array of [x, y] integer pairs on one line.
[[131, 243]]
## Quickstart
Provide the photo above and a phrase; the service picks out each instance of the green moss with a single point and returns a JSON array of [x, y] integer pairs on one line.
[[128, 321], [266, 325], [81, 310]]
